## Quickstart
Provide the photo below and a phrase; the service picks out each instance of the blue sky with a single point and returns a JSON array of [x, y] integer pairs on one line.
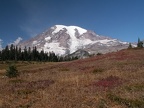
[[120, 19]]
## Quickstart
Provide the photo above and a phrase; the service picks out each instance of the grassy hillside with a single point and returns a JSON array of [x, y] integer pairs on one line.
[[114, 80]]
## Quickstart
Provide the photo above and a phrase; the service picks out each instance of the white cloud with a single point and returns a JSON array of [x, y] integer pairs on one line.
[[1, 44], [17, 41]]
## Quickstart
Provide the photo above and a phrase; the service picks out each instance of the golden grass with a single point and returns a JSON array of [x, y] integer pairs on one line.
[[113, 80]]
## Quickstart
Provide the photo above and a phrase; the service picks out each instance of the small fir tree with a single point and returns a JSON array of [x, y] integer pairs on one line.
[[12, 71], [140, 43], [130, 46]]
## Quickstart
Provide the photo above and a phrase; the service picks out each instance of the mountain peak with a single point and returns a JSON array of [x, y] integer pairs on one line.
[[64, 40], [70, 29]]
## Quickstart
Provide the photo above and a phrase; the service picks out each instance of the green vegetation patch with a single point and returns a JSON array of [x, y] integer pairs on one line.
[[127, 102], [102, 103], [138, 87], [15, 81], [98, 70], [63, 69], [25, 91], [26, 105]]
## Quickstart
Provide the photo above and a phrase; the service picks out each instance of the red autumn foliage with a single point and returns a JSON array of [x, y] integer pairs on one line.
[[108, 83]]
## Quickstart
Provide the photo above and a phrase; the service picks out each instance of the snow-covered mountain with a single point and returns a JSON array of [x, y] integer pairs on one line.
[[65, 40]]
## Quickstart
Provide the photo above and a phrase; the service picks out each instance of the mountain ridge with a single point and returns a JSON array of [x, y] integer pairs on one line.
[[64, 40]]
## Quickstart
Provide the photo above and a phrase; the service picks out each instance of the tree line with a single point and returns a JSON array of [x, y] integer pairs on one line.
[[140, 44], [30, 54]]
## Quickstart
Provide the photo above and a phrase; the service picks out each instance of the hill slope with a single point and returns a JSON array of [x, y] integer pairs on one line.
[[113, 80]]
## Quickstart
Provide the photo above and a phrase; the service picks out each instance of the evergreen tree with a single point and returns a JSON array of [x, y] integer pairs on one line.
[[140, 43], [42, 56], [139, 40], [46, 57], [16, 53], [12, 72], [12, 52], [29, 54], [19, 54], [35, 54], [130, 46], [6, 53], [53, 57], [25, 54]]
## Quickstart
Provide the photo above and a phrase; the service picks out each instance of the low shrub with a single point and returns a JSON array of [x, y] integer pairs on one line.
[[12, 72], [25, 91], [98, 70], [99, 54]]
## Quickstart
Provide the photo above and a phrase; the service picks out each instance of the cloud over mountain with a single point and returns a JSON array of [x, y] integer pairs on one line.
[[17, 41]]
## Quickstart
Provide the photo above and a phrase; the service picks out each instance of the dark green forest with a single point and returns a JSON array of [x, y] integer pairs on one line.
[[15, 53]]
